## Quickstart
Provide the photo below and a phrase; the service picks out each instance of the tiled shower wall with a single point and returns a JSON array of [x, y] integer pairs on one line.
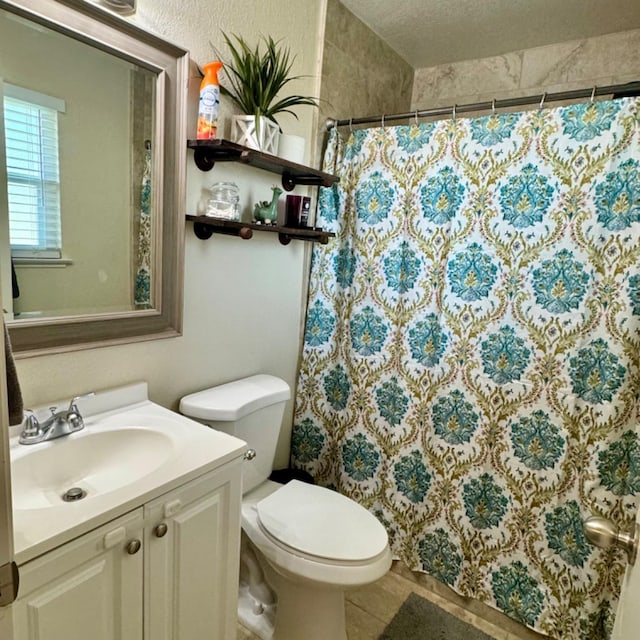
[[361, 75], [579, 64]]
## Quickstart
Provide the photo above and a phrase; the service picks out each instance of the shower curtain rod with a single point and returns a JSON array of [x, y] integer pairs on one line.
[[618, 90]]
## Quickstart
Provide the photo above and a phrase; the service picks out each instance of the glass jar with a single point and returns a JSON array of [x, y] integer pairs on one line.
[[224, 201]]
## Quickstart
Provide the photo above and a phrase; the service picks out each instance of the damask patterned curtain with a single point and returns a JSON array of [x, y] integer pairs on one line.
[[142, 278], [470, 370], [142, 95]]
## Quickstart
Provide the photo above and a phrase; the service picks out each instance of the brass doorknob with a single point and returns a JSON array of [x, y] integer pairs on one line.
[[160, 530], [603, 533]]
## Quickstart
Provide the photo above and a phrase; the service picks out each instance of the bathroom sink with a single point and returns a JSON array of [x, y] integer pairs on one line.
[[94, 462], [130, 452]]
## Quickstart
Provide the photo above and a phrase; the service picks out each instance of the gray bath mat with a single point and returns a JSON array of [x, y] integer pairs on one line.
[[419, 619]]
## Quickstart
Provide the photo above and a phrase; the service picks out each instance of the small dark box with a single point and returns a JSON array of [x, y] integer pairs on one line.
[[297, 211]]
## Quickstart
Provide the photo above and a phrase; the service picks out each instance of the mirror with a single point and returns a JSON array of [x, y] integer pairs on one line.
[[110, 269]]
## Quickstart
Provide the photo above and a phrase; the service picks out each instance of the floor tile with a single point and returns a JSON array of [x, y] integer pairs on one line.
[[382, 598], [361, 624], [245, 634], [370, 608]]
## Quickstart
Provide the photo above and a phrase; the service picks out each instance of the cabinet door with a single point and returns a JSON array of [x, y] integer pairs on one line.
[[191, 573], [89, 588]]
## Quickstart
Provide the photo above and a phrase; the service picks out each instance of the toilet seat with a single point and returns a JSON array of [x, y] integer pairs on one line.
[[320, 523]]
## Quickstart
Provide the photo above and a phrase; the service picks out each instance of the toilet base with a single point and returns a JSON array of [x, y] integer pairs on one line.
[[303, 610], [255, 616], [256, 599], [309, 612]]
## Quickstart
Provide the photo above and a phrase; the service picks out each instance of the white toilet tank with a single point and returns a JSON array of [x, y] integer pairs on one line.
[[250, 409]]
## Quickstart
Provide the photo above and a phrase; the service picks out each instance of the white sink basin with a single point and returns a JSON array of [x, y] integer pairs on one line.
[[130, 452], [95, 462]]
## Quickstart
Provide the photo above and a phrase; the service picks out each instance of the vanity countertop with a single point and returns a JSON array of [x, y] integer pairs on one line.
[[130, 451]]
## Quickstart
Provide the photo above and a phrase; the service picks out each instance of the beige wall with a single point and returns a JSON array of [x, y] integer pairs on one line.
[[599, 61], [243, 298]]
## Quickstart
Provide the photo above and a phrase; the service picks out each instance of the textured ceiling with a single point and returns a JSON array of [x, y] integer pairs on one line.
[[430, 32]]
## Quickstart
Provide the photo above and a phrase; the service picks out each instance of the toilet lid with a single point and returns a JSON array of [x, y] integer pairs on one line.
[[321, 522]]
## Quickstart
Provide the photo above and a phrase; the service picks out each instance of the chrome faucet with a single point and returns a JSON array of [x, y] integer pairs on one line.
[[58, 424]]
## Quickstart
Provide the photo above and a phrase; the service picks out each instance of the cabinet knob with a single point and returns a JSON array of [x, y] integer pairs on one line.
[[161, 530], [133, 547]]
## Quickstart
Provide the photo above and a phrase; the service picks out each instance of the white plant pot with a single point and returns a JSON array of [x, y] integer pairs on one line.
[[244, 132]]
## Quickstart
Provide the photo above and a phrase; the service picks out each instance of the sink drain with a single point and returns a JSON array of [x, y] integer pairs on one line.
[[73, 494]]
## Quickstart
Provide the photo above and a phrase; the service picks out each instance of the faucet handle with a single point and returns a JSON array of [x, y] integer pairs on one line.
[[73, 408], [31, 424], [31, 431], [73, 413]]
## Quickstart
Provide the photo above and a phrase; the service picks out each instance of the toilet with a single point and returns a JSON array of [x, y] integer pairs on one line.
[[302, 545]]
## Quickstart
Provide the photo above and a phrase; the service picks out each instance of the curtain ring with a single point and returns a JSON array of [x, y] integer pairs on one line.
[[544, 96], [382, 121], [493, 107], [416, 117], [593, 93], [453, 111], [350, 125]]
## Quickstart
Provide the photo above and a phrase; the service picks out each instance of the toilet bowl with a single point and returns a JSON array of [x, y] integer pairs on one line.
[[303, 545], [317, 544]]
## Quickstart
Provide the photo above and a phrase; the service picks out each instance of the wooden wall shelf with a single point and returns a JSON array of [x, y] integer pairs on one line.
[[208, 152], [205, 226]]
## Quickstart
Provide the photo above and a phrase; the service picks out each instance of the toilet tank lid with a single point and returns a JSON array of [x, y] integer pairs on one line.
[[234, 400]]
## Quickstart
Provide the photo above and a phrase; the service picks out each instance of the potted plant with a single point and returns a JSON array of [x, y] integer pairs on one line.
[[256, 79]]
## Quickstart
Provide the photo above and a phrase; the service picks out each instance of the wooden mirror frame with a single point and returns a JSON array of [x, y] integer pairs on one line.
[[98, 27]]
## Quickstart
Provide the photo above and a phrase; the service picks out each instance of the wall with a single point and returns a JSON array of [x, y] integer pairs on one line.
[[578, 64], [243, 299], [361, 75]]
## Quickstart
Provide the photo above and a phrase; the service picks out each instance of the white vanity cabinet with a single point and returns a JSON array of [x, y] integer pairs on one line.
[[90, 587], [167, 570]]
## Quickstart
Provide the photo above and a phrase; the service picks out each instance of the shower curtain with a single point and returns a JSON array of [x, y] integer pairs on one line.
[[470, 371]]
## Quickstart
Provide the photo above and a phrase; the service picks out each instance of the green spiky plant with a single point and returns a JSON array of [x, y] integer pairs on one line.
[[256, 78]]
